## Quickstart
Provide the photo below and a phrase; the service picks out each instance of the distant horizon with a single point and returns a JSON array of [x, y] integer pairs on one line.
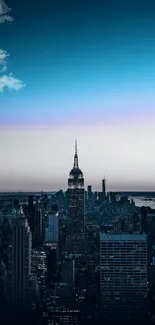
[[55, 191]]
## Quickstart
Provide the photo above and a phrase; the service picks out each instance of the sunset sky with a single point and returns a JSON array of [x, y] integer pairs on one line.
[[77, 69]]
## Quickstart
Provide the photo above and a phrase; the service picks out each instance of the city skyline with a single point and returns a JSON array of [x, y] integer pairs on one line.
[[85, 71]]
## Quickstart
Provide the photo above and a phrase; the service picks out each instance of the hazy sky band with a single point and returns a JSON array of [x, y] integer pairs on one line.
[[40, 158]]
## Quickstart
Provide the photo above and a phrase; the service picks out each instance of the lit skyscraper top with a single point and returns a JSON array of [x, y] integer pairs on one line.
[[76, 179]]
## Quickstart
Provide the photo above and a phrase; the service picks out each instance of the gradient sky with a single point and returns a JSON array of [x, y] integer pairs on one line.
[[88, 71]]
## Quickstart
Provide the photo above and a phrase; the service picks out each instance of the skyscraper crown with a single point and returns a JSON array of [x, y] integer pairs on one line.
[[76, 175]]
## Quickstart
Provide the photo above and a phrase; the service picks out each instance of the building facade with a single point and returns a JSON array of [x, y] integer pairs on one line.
[[52, 226], [20, 259], [123, 273]]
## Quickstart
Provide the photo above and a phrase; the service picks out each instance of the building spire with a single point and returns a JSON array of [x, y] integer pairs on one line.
[[76, 156], [76, 146]]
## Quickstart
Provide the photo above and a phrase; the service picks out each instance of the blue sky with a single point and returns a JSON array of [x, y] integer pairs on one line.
[[86, 66], [78, 53]]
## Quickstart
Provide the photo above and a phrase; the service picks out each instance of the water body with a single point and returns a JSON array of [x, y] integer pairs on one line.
[[143, 201]]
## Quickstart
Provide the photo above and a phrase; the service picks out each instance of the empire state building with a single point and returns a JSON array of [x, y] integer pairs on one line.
[[76, 206]]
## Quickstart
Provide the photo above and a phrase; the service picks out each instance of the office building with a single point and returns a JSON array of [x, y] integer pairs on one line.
[[33, 214], [123, 273], [39, 267], [3, 279], [29, 212], [52, 263], [30, 201], [52, 226], [68, 270], [20, 259], [16, 204], [95, 196], [113, 197]]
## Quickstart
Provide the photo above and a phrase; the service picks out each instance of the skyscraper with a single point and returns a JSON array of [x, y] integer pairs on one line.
[[29, 212], [52, 228], [30, 201], [33, 214], [76, 206], [20, 259], [104, 188], [123, 273], [52, 263], [89, 190]]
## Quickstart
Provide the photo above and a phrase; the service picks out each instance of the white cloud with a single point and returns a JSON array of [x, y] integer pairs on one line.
[[4, 68], [4, 12], [3, 55], [3, 60], [10, 82]]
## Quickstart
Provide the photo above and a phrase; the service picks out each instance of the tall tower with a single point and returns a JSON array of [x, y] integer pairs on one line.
[[20, 259], [76, 205], [104, 188]]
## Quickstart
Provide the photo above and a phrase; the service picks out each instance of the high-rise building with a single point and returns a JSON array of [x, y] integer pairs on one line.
[[68, 270], [20, 259], [89, 189], [29, 212], [33, 214], [52, 227], [76, 207], [30, 200], [100, 197], [3, 278], [76, 197], [37, 235], [95, 196], [123, 273], [52, 263], [104, 188], [114, 197], [39, 267], [16, 204]]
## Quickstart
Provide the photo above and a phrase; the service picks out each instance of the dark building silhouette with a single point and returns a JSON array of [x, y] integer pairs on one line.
[[20, 260], [100, 197], [89, 189], [30, 200], [52, 264], [104, 189], [34, 217], [16, 204], [68, 270], [6, 233], [113, 196], [3, 277], [95, 196]]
